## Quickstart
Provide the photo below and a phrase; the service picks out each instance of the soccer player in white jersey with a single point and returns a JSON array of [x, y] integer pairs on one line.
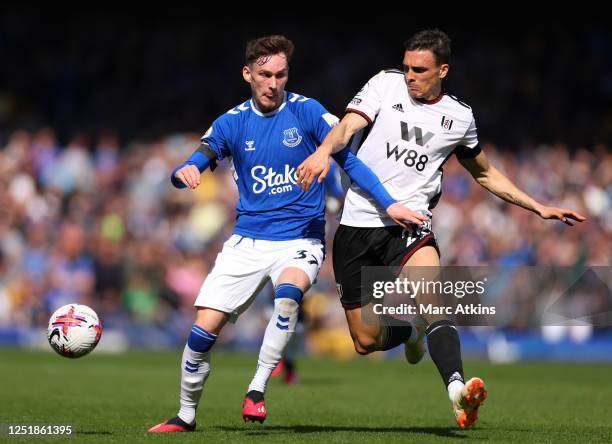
[[413, 128], [279, 230]]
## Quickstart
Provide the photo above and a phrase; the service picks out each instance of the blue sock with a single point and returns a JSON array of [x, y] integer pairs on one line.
[[200, 340]]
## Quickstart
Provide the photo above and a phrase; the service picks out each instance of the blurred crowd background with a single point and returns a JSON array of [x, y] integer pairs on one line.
[[96, 112]]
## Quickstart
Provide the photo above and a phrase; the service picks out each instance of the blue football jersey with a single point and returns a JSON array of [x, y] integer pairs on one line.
[[265, 151]]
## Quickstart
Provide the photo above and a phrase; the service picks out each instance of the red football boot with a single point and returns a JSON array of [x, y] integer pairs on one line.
[[254, 407], [470, 399], [175, 424], [278, 370]]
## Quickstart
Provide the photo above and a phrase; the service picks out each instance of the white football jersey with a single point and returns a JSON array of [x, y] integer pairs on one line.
[[405, 145]]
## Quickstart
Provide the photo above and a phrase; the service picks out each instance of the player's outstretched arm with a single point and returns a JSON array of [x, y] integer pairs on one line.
[[317, 164], [494, 181]]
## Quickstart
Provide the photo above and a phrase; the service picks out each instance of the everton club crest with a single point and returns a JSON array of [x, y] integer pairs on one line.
[[291, 137]]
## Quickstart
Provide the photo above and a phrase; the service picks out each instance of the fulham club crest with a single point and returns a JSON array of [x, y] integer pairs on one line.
[[446, 123]]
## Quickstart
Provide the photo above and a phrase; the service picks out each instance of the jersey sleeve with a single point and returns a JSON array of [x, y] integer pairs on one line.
[[364, 177], [468, 146], [319, 119], [367, 102], [218, 137]]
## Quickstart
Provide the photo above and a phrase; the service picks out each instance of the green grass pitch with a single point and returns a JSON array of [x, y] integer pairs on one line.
[[115, 398]]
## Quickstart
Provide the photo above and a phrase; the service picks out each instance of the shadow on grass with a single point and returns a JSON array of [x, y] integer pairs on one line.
[[449, 432]]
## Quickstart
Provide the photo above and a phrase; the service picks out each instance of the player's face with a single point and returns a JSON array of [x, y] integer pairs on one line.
[[423, 75], [267, 76]]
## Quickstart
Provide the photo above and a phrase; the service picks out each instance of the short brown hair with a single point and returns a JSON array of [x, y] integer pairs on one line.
[[432, 40], [268, 46]]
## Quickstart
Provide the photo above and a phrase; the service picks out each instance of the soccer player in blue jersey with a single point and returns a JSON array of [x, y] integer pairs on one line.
[[279, 230]]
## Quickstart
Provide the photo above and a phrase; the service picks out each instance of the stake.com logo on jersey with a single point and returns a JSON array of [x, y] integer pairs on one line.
[[268, 178]]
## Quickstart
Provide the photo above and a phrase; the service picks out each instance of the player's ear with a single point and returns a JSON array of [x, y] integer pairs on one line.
[[246, 73], [443, 70]]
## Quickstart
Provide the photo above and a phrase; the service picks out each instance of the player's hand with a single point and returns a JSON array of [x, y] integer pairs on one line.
[[189, 175], [563, 214], [317, 164], [404, 216]]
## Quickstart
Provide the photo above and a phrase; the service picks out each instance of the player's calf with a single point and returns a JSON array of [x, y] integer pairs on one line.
[[277, 335], [365, 343], [387, 334]]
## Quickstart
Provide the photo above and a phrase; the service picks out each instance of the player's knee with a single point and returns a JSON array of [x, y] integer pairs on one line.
[[364, 343], [211, 320], [288, 293], [287, 300]]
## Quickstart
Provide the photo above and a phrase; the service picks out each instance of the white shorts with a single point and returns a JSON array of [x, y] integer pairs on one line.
[[244, 265]]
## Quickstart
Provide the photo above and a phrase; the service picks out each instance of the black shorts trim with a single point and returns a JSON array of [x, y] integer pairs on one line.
[[430, 240], [357, 247]]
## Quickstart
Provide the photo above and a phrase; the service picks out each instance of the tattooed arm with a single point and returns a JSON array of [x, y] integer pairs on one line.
[[494, 181]]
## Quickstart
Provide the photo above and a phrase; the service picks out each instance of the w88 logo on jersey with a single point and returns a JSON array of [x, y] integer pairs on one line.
[[410, 158]]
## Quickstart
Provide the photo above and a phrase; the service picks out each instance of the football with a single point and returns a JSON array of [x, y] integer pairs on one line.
[[74, 330]]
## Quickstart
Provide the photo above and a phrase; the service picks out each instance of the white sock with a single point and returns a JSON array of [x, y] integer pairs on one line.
[[414, 335], [454, 390], [195, 368], [294, 343], [261, 378], [277, 336]]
